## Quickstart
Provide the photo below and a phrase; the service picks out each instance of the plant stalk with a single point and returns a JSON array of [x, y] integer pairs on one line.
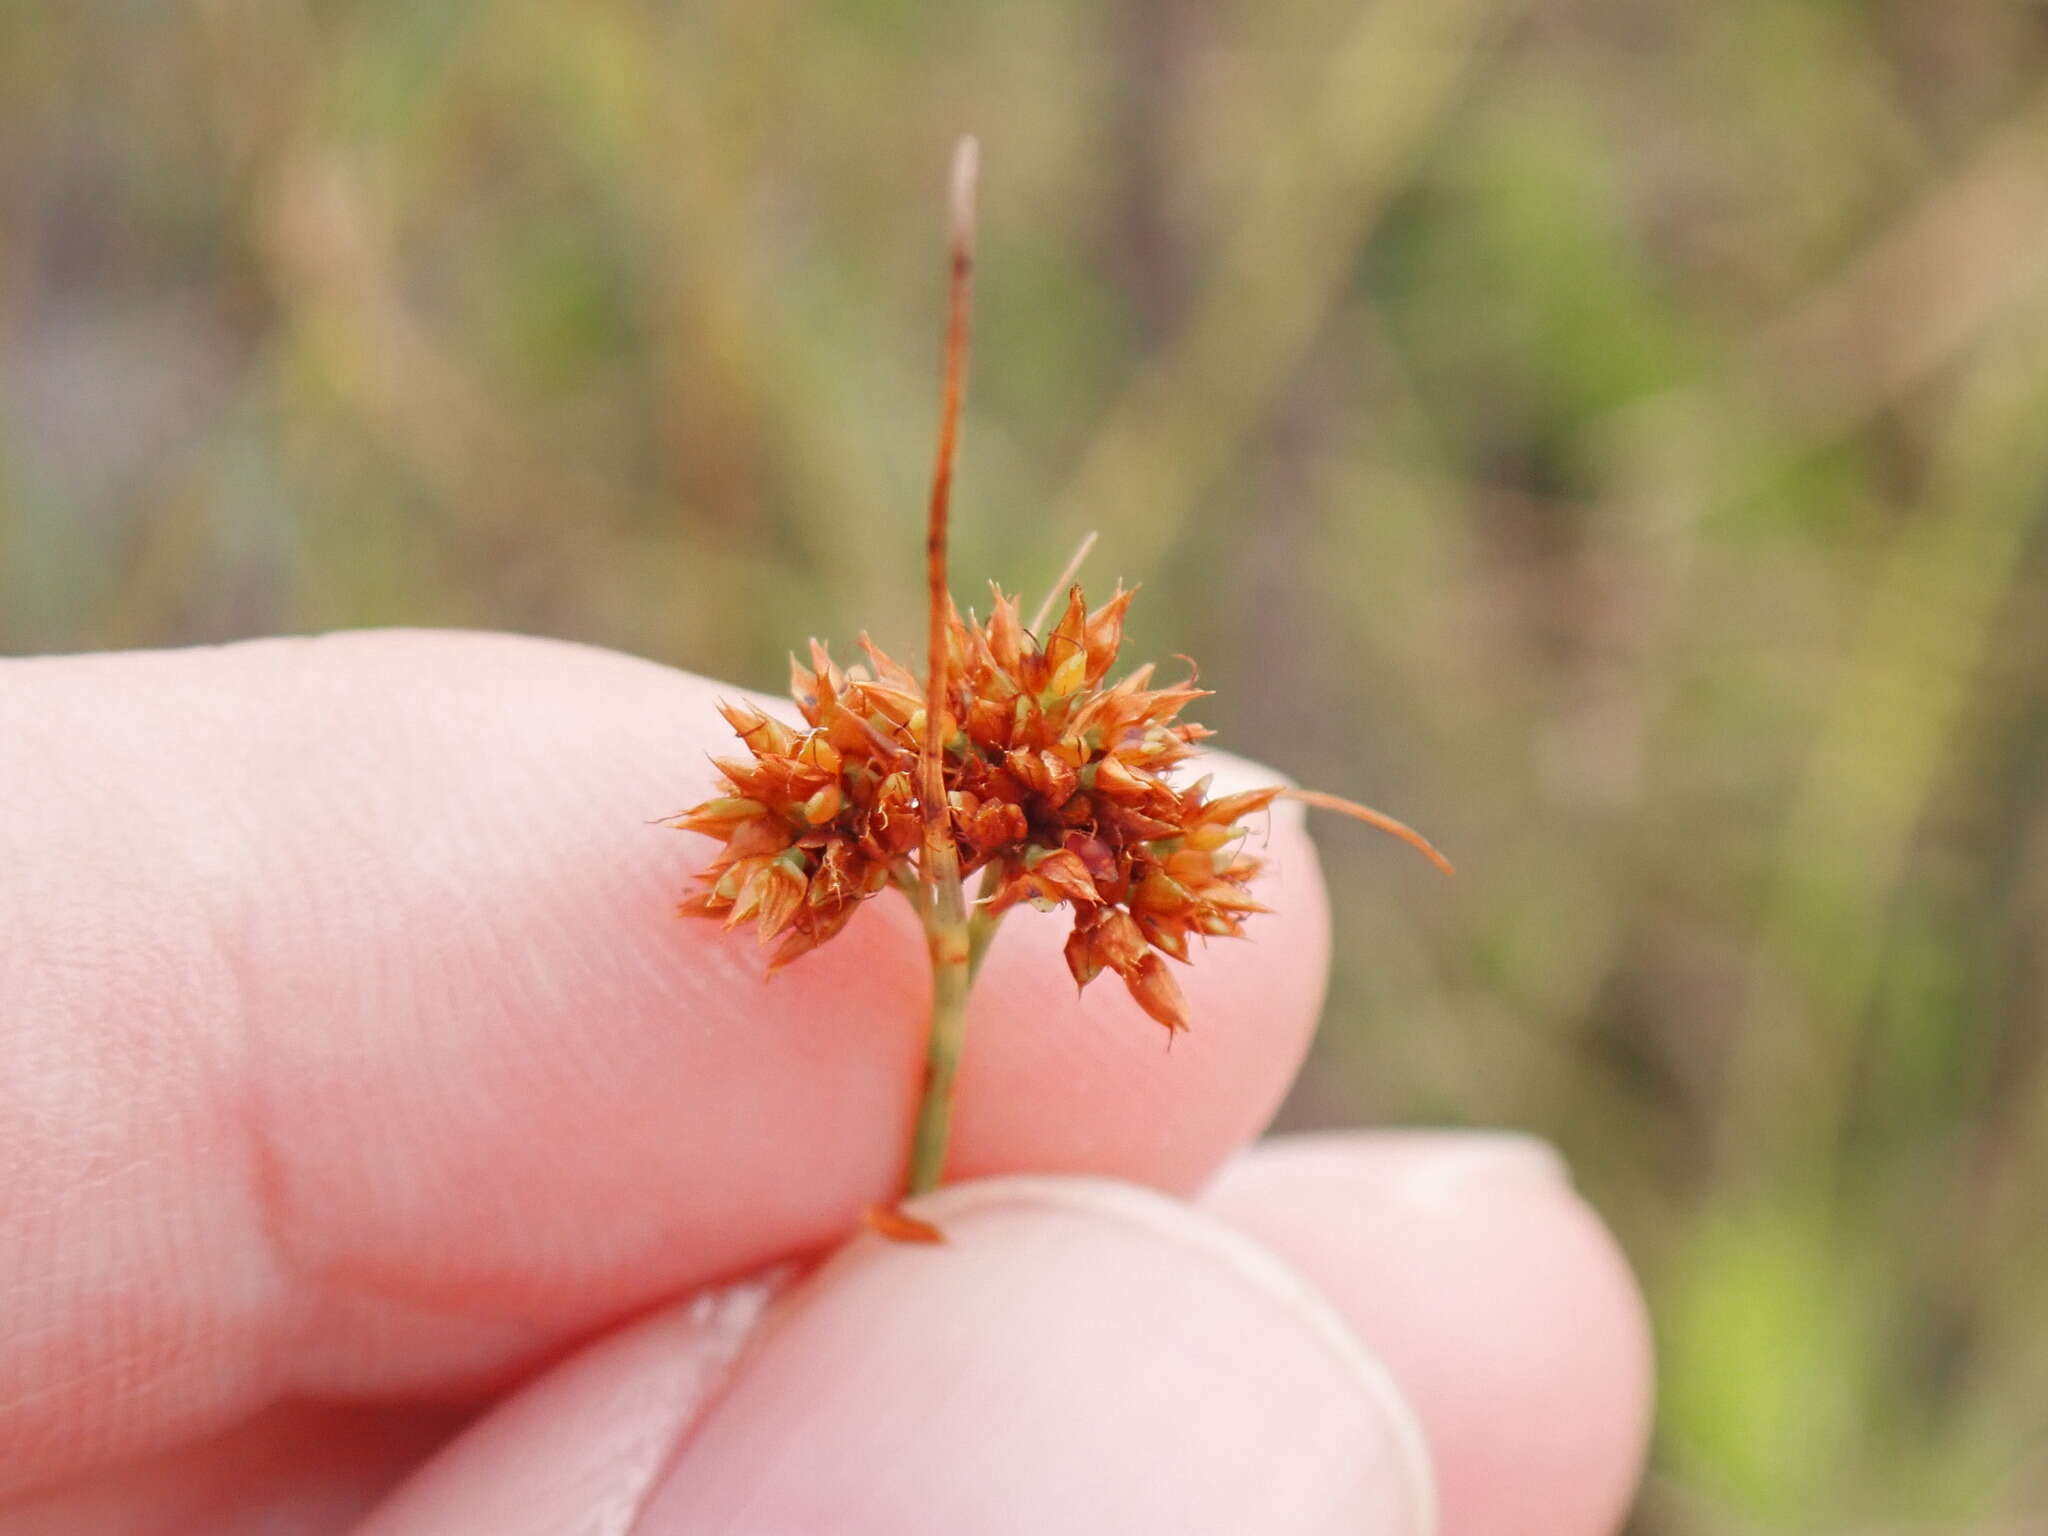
[[947, 937], [944, 902]]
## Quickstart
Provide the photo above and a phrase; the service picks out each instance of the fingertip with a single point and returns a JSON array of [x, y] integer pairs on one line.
[[1495, 1295], [1081, 1355]]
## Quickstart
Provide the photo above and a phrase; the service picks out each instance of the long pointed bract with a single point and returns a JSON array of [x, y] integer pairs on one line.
[[939, 855], [944, 901]]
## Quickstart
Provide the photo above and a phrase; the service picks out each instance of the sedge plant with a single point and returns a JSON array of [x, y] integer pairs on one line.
[[1023, 759]]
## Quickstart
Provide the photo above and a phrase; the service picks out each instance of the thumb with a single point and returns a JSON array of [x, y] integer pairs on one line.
[[1081, 1355]]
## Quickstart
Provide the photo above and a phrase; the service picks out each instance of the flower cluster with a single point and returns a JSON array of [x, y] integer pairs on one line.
[[1057, 783]]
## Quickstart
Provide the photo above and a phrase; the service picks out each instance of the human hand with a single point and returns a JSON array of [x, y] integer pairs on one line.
[[377, 1151]]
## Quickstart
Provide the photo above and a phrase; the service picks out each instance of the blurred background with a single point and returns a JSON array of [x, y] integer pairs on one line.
[[1612, 436]]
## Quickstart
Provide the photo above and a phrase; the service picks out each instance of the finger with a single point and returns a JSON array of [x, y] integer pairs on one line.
[[304, 1468], [353, 1048], [1495, 1297], [1080, 1356]]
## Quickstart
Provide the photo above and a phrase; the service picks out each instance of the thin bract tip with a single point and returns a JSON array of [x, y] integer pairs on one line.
[[1372, 818], [966, 171]]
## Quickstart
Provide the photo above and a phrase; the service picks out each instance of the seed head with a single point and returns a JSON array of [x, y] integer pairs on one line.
[[1058, 783]]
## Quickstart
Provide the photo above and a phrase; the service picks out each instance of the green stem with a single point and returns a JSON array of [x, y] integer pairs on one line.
[[947, 934], [957, 943]]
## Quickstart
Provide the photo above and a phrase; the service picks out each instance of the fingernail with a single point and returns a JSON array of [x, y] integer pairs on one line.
[[579, 1448], [1428, 1168], [1442, 1168], [1079, 1355]]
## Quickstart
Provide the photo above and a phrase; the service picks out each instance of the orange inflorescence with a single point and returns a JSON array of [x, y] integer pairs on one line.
[[1057, 787]]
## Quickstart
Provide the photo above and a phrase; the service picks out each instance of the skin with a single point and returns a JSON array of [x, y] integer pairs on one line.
[[378, 1152]]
